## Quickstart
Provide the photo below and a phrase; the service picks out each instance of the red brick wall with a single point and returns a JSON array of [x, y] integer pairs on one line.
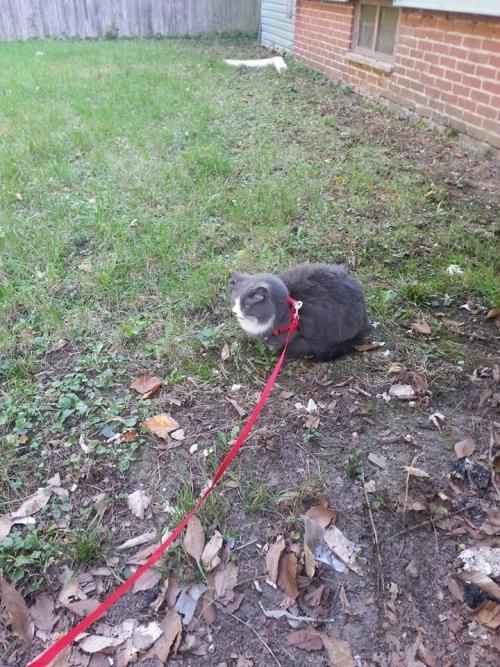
[[446, 65]]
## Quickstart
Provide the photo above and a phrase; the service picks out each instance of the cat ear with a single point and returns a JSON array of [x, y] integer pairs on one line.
[[260, 293], [236, 277]]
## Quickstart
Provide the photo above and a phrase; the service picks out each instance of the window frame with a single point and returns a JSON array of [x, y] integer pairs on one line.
[[363, 50]]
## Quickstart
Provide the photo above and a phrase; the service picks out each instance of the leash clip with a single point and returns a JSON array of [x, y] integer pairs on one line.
[[297, 306]]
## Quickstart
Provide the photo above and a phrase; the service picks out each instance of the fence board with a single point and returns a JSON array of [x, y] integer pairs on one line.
[[24, 19]]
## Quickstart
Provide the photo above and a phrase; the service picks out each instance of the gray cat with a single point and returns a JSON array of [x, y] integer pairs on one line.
[[333, 317]]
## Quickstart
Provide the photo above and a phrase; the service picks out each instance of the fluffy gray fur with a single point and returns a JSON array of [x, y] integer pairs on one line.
[[333, 317]]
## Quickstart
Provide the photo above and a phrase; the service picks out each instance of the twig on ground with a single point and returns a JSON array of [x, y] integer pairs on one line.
[[428, 522], [281, 613], [375, 540], [408, 484], [491, 457], [247, 544], [240, 620]]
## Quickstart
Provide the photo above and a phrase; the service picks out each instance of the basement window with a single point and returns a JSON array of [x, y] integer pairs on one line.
[[376, 26]]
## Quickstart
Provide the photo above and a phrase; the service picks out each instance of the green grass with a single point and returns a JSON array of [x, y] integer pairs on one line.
[[134, 175]]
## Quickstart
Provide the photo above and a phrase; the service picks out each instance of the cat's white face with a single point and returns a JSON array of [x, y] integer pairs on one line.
[[248, 323]]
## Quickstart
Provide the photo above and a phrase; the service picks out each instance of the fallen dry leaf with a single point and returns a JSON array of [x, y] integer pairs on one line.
[[161, 425], [455, 590], [366, 347], [170, 639], [137, 541], [309, 560], [404, 392], [33, 504], [225, 352], [42, 612], [421, 327], [287, 575], [187, 601], [489, 614], [308, 639], [243, 662], [321, 515], [207, 606], [194, 539], [464, 448], [144, 636], [482, 581], [178, 435], [346, 550], [128, 436], [241, 411], [493, 314], [210, 557], [146, 384], [313, 599], [97, 643], [345, 602], [339, 652], [58, 346], [416, 472], [82, 607], [378, 460], [426, 654], [147, 581], [397, 368], [273, 558], [20, 619], [420, 382], [5, 526], [138, 502], [225, 580]]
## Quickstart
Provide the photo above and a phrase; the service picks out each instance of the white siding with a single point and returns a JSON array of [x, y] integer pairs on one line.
[[277, 24], [489, 7]]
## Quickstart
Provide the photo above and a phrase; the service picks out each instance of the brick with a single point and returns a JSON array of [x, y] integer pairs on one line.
[[474, 43], [494, 60], [484, 29], [456, 52], [453, 75], [488, 112], [491, 45], [436, 71], [446, 61], [492, 86], [466, 68], [481, 57], [445, 50], [486, 72], [471, 81], [462, 91]]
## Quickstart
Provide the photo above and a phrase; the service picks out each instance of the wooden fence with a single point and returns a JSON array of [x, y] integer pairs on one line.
[[22, 19]]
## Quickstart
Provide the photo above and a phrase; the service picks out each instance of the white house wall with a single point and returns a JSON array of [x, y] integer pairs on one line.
[[277, 24]]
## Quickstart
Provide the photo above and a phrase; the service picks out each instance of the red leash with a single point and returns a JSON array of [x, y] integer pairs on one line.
[[54, 650]]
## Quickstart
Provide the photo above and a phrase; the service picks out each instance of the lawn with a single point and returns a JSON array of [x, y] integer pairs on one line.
[[134, 175]]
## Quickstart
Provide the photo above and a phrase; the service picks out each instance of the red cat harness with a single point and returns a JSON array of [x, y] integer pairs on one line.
[[295, 306]]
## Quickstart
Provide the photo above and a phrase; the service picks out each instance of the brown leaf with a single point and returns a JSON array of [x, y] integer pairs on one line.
[[366, 347], [97, 643], [210, 557], [397, 368], [491, 525], [420, 381], [313, 599], [42, 612], [161, 425], [20, 620], [345, 602], [339, 652], [33, 504], [208, 610], [241, 411], [58, 346], [489, 614], [493, 313], [273, 558], [455, 590], [308, 640], [464, 448], [484, 582], [243, 662], [146, 384], [138, 502], [225, 352], [404, 392], [426, 654], [416, 472], [5, 526], [321, 515], [309, 560], [421, 327], [225, 580], [147, 581], [82, 607], [287, 575], [194, 539], [235, 604], [62, 659], [128, 436]]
